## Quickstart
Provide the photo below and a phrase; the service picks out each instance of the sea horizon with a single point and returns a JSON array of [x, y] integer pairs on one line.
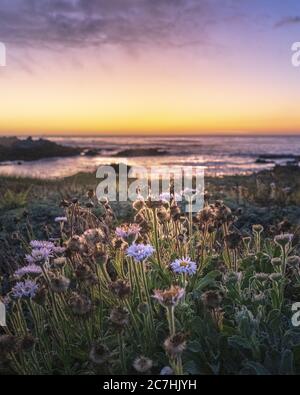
[[219, 155]]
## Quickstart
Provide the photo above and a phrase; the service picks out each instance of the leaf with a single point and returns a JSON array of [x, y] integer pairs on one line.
[[239, 342], [209, 279], [191, 367], [195, 346]]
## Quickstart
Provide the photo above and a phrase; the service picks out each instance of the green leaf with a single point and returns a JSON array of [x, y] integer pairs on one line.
[[209, 279], [239, 342]]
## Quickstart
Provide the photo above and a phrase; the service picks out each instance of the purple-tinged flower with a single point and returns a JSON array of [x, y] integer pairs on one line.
[[40, 255], [140, 252], [24, 289], [61, 219], [29, 269], [37, 244], [184, 265], [58, 250], [126, 231], [166, 371]]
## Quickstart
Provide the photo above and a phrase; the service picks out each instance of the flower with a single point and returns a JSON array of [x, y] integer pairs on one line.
[[284, 239], [39, 255], [142, 364], [169, 297], [32, 269], [126, 231], [60, 219], [184, 265], [166, 371], [37, 244], [140, 252], [24, 289], [175, 344]]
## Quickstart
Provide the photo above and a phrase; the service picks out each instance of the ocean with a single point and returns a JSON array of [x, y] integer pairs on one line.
[[219, 155]]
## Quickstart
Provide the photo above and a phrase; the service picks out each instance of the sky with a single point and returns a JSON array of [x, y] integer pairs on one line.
[[149, 66]]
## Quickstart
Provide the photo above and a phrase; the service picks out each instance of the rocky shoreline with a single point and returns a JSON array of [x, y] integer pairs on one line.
[[29, 149]]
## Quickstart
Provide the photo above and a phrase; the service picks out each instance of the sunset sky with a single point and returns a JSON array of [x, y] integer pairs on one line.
[[149, 66]]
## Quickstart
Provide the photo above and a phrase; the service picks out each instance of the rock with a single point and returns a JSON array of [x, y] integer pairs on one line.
[[13, 148], [141, 152]]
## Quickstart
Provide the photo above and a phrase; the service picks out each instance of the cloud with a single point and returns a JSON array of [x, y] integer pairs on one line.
[[76, 23], [292, 20]]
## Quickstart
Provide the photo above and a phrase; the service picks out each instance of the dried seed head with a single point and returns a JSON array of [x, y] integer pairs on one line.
[[169, 297], [293, 260], [59, 283], [77, 244], [211, 299], [27, 342], [120, 288], [276, 262], [99, 354], [142, 364], [119, 317], [80, 304], [276, 277], [175, 345], [257, 228], [207, 214], [284, 239], [8, 344], [94, 236], [59, 262], [262, 276], [41, 295], [119, 244], [163, 215]]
